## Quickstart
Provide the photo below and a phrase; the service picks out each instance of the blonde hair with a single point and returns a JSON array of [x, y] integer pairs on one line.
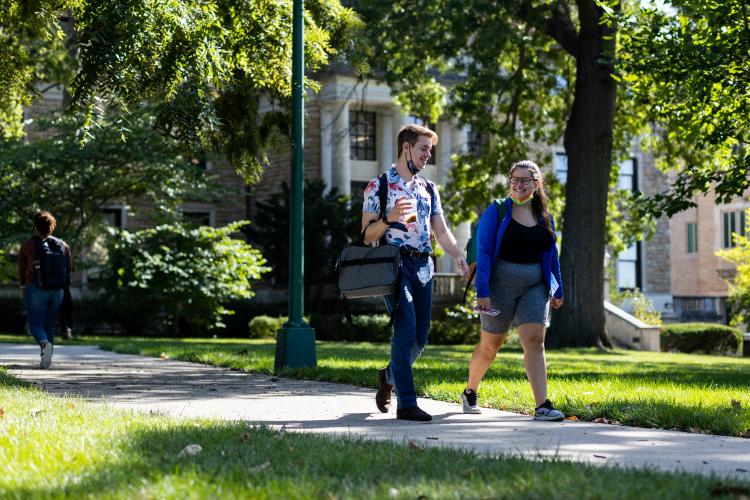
[[411, 132], [539, 203]]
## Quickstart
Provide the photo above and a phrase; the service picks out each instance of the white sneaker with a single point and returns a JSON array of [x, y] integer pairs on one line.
[[548, 413], [46, 355], [469, 401]]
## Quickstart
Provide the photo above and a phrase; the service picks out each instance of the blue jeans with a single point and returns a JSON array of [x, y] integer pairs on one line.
[[42, 307], [411, 324]]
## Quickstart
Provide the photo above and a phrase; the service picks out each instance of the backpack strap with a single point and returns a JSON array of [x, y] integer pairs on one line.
[[431, 190], [383, 197], [501, 212]]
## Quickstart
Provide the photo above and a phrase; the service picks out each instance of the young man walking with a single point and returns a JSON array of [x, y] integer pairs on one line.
[[413, 212], [44, 266]]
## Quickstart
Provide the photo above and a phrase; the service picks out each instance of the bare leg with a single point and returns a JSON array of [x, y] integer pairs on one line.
[[531, 336], [483, 355]]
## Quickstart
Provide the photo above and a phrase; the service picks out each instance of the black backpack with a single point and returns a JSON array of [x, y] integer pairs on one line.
[[51, 264]]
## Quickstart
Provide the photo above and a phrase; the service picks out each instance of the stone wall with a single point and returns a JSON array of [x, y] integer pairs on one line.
[[657, 269]]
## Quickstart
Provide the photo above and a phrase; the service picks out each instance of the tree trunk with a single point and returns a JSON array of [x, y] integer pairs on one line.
[[588, 144]]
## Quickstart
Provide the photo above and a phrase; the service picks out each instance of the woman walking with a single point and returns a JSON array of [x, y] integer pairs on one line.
[[518, 278]]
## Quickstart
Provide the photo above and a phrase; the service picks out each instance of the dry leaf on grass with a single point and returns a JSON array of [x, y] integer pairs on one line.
[[35, 411], [736, 404], [572, 417], [164, 355], [245, 436], [414, 445], [2, 413], [258, 468], [190, 450]]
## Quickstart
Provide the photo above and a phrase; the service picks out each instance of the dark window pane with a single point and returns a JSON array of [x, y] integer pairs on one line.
[[199, 218], [362, 135]]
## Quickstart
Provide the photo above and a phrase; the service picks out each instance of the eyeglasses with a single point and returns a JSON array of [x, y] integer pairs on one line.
[[524, 181]]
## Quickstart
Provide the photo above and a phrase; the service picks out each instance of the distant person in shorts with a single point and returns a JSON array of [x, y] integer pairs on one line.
[[44, 266], [518, 279]]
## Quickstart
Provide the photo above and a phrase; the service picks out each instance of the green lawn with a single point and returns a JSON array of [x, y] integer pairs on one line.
[[64, 447], [671, 391]]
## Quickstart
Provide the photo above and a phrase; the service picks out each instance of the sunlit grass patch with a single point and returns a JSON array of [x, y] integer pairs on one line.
[[64, 447]]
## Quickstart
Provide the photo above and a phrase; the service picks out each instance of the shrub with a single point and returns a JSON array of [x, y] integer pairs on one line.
[[174, 273], [710, 338], [265, 327], [459, 325], [371, 328], [642, 307]]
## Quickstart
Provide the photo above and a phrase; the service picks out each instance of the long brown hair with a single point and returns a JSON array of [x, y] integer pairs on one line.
[[539, 203]]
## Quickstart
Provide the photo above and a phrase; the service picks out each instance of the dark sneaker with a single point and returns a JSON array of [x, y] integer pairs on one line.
[[548, 412], [415, 413], [46, 355], [383, 396], [469, 401]]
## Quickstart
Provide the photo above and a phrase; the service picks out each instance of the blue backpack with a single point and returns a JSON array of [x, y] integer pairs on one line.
[[471, 246], [51, 264]]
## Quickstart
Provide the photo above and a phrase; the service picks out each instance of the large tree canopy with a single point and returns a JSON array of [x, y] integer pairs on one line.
[[523, 71], [204, 63], [688, 70], [54, 170], [596, 73]]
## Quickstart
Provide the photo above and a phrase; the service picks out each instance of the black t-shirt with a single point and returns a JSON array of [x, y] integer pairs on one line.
[[524, 245]]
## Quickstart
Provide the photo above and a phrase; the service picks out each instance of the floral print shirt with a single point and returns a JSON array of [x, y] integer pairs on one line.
[[413, 234]]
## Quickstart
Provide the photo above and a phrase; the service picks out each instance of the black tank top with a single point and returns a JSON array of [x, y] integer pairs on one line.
[[524, 245]]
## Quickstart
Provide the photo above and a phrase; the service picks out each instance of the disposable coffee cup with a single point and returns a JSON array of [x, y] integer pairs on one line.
[[411, 214]]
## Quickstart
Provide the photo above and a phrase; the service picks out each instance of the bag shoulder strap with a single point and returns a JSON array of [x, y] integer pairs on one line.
[[383, 193], [501, 211], [383, 197], [431, 190]]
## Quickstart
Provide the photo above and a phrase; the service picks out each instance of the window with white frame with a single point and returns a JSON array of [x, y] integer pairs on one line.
[[362, 135], [560, 166], [628, 179], [628, 268], [733, 221]]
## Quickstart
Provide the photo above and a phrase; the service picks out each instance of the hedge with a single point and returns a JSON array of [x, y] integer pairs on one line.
[[708, 338]]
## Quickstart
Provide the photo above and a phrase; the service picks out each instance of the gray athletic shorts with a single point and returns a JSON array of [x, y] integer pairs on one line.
[[521, 295]]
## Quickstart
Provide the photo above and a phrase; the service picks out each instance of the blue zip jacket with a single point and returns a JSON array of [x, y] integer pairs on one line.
[[490, 234]]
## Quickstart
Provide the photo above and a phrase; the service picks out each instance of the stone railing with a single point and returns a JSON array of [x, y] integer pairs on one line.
[[447, 287]]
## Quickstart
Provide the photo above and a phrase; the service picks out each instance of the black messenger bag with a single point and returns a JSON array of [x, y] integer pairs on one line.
[[368, 271]]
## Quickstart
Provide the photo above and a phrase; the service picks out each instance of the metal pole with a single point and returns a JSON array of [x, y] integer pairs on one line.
[[295, 342]]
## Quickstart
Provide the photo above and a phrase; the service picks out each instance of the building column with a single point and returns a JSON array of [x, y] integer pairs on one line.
[[387, 139], [326, 146], [341, 174], [442, 167], [460, 139]]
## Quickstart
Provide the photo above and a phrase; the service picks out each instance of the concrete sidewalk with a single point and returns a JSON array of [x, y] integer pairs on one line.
[[183, 389]]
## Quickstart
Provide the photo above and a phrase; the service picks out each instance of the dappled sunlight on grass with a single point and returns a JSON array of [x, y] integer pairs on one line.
[[683, 391], [64, 447]]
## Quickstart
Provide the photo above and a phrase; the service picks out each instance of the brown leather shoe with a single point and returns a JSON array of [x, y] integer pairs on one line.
[[383, 396]]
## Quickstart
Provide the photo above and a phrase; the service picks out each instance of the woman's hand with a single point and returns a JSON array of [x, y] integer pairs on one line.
[[556, 303], [483, 303]]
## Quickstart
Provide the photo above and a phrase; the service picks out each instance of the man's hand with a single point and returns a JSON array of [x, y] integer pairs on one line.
[[461, 263], [556, 303], [400, 208]]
